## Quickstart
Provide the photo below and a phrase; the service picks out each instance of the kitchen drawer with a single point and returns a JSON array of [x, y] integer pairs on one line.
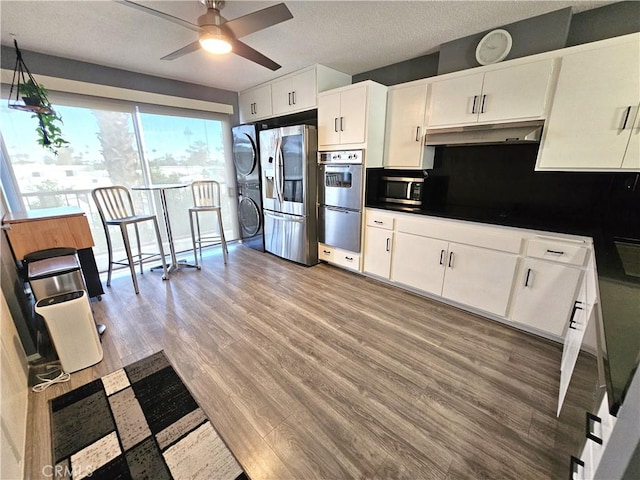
[[339, 257], [562, 252], [380, 219]]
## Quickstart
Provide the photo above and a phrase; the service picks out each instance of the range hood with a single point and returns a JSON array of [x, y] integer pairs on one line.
[[520, 132]]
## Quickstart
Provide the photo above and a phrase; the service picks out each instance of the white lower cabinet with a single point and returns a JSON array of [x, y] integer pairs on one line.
[[377, 251], [598, 432], [419, 262], [479, 277], [378, 242], [582, 313], [545, 293], [528, 278], [474, 276]]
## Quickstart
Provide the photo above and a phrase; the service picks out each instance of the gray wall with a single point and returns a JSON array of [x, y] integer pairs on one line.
[[605, 22], [539, 34], [60, 67], [414, 69], [533, 35]]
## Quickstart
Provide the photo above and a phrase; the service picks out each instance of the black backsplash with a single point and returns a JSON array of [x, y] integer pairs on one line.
[[499, 181]]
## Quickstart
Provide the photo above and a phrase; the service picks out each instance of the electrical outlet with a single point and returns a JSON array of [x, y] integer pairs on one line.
[[631, 182]]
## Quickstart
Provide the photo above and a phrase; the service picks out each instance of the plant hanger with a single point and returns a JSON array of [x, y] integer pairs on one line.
[[33, 99]]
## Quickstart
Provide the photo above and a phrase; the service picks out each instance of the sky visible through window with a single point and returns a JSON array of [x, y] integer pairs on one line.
[[103, 150]]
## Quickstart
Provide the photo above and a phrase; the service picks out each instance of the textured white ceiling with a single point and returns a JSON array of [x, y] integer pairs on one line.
[[350, 36]]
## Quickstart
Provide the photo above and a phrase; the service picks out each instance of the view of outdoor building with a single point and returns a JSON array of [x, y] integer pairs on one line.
[[113, 146]]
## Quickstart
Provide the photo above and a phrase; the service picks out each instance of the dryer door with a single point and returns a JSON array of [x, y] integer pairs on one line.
[[249, 217], [245, 153]]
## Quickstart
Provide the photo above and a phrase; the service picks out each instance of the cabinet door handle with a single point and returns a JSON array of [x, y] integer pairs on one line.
[[388, 244], [450, 259], [442, 254], [289, 98], [576, 306], [378, 222], [526, 280], [573, 466], [252, 111], [555, 252], [293, 96], [626, 118], [475, 101], [335, 124], [417, 133], [484, 98], [328, 252], [349, 259], [342, 124], [590, 419]]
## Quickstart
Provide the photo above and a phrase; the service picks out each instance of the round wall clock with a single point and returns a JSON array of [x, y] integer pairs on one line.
[[493, 47]]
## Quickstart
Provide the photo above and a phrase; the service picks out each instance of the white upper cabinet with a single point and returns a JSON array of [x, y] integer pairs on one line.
[[353, 117], [292, 93], [342, 116], [455, 101], [506, 94], [255, 103], [328, 119], [404, 134], [593, 123]]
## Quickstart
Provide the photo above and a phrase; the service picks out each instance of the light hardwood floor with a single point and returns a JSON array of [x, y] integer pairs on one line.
[[320, 373]]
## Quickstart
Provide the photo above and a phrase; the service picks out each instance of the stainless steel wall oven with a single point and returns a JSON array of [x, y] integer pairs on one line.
[[340, 180]]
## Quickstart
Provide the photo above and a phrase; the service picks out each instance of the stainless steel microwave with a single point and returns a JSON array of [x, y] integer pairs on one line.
[[404, 190]]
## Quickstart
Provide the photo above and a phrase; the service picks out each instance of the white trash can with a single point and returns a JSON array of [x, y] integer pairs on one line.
[[73, 332]]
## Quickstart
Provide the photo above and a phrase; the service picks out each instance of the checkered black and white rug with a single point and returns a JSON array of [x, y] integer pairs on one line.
[[137, 422]]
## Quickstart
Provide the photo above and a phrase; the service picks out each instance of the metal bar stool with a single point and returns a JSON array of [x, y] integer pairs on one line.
[[116, 209], [206, 198]]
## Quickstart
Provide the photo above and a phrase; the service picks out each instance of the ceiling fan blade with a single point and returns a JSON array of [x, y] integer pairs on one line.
[[192, 47], [249, 53], [259, 20], [159, 14]]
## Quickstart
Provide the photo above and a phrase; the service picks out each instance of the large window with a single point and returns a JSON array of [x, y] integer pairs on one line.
[[119, 143]]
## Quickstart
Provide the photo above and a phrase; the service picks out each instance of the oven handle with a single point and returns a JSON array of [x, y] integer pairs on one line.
[[337, 166]]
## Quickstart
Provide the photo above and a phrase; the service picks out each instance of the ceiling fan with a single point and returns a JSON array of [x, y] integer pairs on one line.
[[218, 35]]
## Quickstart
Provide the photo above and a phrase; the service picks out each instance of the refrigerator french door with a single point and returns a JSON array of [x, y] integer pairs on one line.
[[289, 192]]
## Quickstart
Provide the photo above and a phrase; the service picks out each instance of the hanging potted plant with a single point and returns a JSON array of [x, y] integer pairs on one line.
[[32, 97], [49, 122]]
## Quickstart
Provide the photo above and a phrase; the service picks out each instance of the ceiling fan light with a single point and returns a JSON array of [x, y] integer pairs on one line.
[[215, 43]]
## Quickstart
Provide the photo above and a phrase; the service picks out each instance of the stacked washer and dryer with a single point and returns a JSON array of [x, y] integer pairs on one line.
[[246, 157]]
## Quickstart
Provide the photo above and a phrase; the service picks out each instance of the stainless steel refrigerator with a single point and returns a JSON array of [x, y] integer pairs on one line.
[[288, 166]]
